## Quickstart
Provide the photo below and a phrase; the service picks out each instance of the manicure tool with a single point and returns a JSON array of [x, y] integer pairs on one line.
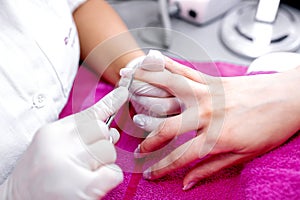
[[111, 118]]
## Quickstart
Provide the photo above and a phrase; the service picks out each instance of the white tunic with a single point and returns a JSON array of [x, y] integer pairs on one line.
[[39, 55]]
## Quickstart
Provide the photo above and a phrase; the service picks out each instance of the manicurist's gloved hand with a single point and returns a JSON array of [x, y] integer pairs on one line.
[[70, 159], [146, 98]]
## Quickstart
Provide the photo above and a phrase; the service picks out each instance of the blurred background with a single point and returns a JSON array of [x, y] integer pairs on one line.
[[234, 31]]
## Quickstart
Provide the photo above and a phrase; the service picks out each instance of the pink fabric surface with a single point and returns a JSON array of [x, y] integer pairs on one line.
[[274, 175]]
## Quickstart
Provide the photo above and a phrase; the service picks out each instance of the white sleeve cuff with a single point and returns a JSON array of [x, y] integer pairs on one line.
[[74, 4]]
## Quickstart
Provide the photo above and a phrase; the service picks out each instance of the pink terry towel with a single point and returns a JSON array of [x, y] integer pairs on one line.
[[274, 175]]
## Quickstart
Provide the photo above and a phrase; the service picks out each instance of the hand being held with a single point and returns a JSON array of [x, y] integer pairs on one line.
[[71, 158], [142, 93], [236, 119]]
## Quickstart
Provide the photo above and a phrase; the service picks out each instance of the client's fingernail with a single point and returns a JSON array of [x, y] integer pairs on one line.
[[189, 185], [137, 152], [147, 174], [126, 72], [139, 121]]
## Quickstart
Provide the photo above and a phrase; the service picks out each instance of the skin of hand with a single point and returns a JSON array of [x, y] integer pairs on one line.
[[71, 158], [236, 119], [106, 45]]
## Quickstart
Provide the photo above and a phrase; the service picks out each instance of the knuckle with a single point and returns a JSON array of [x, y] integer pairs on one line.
[[164, 132], [185, 71], [174, 161], [88, 114], [205, 112]]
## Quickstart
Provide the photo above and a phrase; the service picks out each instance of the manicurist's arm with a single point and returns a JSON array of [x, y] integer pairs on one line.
[[106, 45]]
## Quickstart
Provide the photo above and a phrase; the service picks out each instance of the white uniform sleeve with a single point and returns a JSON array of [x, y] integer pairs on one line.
[[73, 4]]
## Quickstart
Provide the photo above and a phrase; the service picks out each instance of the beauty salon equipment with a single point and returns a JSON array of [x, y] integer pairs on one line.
[[253, 29]]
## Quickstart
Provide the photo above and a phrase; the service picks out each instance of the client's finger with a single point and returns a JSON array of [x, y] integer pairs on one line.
[[146, 89], [159, 106], [180, 157], [175, 84], [185, 71], [170, 128], [210, 166], [146, 122]]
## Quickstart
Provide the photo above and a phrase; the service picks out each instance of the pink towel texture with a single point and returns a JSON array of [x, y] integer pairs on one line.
[[274, 175]]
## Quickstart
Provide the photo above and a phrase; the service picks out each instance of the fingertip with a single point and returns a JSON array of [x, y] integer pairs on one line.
[[147, 174], [119, 176], [114, 134], [137, 153], [189, 181], [147, 122], [126, 72], [189, 185], [139, 120], [107, 178], [113, 173], [154, 61]]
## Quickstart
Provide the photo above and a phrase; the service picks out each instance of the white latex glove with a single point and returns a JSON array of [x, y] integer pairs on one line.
[[71, 158], [146, 98]]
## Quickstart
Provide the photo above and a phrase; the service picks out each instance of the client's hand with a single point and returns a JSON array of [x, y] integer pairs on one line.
[[146, 98], [71, 158], [236, 119]]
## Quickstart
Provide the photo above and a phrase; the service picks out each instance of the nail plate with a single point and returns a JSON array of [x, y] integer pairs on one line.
[[189, 185], [147, 174], [139, 121], [137, 152]]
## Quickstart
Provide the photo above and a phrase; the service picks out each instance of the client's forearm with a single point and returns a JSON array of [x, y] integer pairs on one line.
[[288, 85], [284, 93]]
